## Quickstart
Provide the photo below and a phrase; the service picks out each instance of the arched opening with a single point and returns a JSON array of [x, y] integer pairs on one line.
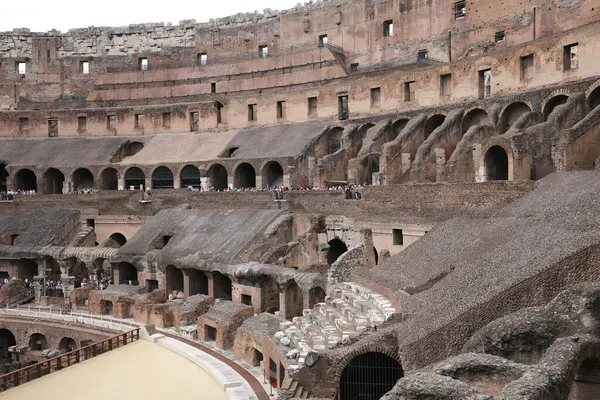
[[553, 103], [218, 177], [67, 345], [162, 178], [83, 179], [294, 301], [244, 176], [270, 295], [134, 148], [115, 241], [25, 179], [135, 178], [496, 164], [3, 176], [369, 376], [109, 179], [222, 286], [397, 127], [594, 99], [38, 342], [7, 339], [370, 165], [511, 114], [272, 175], [334, 139], [190, 176], [586, 384], [362, 133], [336, 249], [198, 282], [53, 181], [128, 274], [433, 123], [474, 117], [174, 279], [316, 295], [27, 269]]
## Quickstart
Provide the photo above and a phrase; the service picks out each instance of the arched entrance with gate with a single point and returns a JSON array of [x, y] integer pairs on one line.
[[496, 164], [162, 178], [135, 177], [53, 181], [369, 376], [272, 174]]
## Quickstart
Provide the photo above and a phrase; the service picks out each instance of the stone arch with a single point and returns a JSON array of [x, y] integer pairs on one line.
[[336, 248], [334, 139], [133, 148], [396, 128], [54, 180], [83, 179], [162, 178], [433, 123], [593, 99], [244, 176], [552, 103], [27, 269], [217, 174], [336, 372], [3, 177], [222, 286], [362, 131], [496, 164], [198, 282], [269, 295], [109, 179], [476, 116], [127, 273], [316, 295], [369, 375], [25, 179], [511, 114], [190, 176], [115, 241], [174, 279], [135, 177], [38, 342], [272, 174], [586, 382], [370, 165], [294, 301], [7, 339], [67, 345]]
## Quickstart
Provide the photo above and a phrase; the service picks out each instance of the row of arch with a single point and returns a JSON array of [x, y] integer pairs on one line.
[[36, 342], [162, 177]]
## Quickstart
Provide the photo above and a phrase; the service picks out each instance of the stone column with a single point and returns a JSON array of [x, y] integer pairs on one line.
[[121, 184], [176, 182], [10, 184], [211, 285], [311, 171], [289, 180], [38, 287], [68, 186], [368, 252], [148, 183], [440, 163], [406, 162], [259, 182], [68, 284], [186, 283], [478, 169]]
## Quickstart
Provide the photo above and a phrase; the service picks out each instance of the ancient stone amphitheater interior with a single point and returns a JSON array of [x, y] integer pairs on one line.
[[349, 200]]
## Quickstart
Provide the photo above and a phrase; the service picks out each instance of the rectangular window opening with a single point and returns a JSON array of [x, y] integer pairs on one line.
[[322, 41], [138, 121], [210, 333], [81, 124], [202, 59], [375, 97], [143, 64], [111, 122], [312, 106], [343, 110], [280, 109], [213, 87], [252, 112], [460, 9], [445, 84], [388, 28], [422, 54], [571, 56], [485, 84], [52, 128], [398, 237], [409, 91], [84, 67], [22, 68], [247, 299], [23, 125], [353, 67], [499, 36], [263, 51], [194, 121], [527, 67], [166, 120]]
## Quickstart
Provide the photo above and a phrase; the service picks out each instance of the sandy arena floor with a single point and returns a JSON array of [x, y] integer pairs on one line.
[[141, 370]]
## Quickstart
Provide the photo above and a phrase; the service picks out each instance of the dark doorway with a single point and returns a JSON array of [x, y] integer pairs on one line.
[[53, 181], [162, 178], [294, 301], [370, 165], [218, 177], [174, 279], [511, 114], [433, 123], [135, 177], [7, 339], [474, 117], [272, 175], [316, 295], [151, 285], [369, 376], [128, 274], [222, 286], [115, 241], [198, 282], [106, 307], [247, 299], [594, 99], [273, 373], [496, 164], [38, 342], [336, 249], [67, 345], [245, 176], [83, 179], [109, 179], [3, 176], [190, 176], [210, 333], [25, 179], [553, 103], [257, 358]]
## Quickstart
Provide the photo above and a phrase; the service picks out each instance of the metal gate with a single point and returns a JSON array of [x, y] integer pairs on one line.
[[369, 376]]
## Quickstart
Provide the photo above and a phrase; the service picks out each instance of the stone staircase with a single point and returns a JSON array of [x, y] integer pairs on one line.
[[292, 386], [349, 311], [81, 236]]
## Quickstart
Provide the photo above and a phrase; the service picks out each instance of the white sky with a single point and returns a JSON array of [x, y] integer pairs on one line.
[[45, 15]]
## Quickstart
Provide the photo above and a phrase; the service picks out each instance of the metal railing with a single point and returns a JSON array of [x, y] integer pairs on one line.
[[27, 374]]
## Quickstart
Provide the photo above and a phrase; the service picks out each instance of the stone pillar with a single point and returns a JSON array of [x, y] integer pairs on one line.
[[259, 182], [230, 182], [479, 170], [186, 283], [148, 182], [366, 236], [40, 185], [176, 182], [68, 186], [311, 171], [282, 310], [440, 163], [121, 184], [38, 287], [406, 162], [291, 177], [10, 184], [211, 285], [68, 284]]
